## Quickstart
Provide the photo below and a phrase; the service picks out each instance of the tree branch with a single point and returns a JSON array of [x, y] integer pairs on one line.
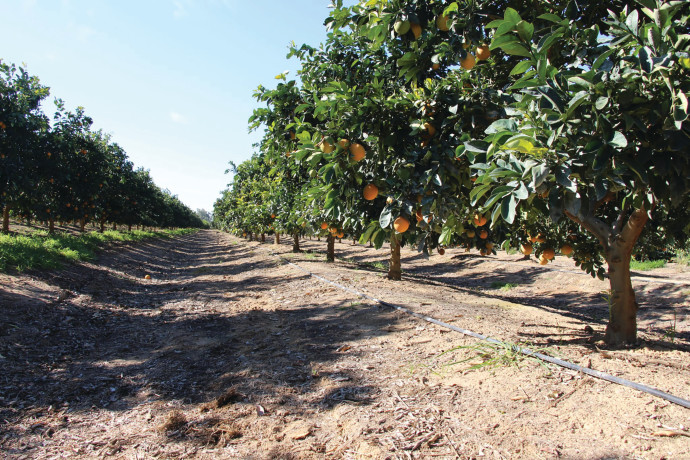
[[595, 226]]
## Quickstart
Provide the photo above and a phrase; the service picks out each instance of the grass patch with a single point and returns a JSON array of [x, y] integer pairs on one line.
[[683, 257], [493, 355], [503, 286], [40, 250], [646, 265]]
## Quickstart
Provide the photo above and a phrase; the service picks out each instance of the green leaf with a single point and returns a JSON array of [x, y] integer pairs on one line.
[[539, 175], [385, 217], [550, 17], [618, 140], [521, 67], [505, 124], [525, 30], [508, 206], [495, 23], [512, 16], [632, 21], [601, 103]]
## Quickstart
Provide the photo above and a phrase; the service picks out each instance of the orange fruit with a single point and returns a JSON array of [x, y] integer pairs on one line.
[[441, 251], [324, 226], [479, 220], [326, 147], [468, 62], [370, 192], [48, 154], [548, 253], [333, 230], [483, 53], [482, 252], [543, 261], [442, 23], [343, 143], [292, 135], [526, 249], [566, 249], [429, 128], [540, 238], [401, 224], [416, 30], [273, 216], [483, 234], [340, 234], [357, 151], [489, 246], [470, 233], [435, 66], [147, 277], [389, 200]]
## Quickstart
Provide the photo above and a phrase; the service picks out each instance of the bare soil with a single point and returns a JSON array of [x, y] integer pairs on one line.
[[230, 352]]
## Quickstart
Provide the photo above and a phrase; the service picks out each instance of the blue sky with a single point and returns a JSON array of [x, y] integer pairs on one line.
[[170, 80]]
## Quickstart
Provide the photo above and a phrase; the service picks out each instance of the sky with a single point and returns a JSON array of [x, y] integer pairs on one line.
[[170, 80]]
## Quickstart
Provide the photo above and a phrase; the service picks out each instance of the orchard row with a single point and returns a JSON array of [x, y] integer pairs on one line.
[[561, 126], [65, 172]]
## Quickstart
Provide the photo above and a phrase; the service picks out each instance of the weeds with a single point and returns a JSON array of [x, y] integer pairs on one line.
[[646, 265], [41, 250], [492, 355], [503, 286]]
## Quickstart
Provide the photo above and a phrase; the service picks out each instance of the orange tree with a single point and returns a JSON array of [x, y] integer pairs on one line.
[[597, 136], [21, 125]]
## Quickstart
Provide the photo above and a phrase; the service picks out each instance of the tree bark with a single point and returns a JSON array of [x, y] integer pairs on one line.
[[6, 219], [101, 229], [263, 237], [330, 254], [277, 238], [295, 243], [114, 226], [394, 270], [51, 225], [618, 242], [82, 225], [129, 227]]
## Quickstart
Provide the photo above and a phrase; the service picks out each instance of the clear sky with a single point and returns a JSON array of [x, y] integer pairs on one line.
[[170, 80]]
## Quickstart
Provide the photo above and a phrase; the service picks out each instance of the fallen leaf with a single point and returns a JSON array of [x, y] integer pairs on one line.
[[669, 433], [344, 348]]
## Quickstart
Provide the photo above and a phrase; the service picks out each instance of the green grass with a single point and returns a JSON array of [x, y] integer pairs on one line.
[[503, 286], [40, 250], [646, 264], [683, 257]]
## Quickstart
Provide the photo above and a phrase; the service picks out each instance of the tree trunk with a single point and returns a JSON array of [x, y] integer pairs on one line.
[[249, 235], [277, 238], [82, 225], [318, 238], [295, 243], [129, 227], [6, 219], [51, 225], [394, 271], [101, 229], [114, 226], [330, 254], [618, 242], [263, 237], [354, 241]]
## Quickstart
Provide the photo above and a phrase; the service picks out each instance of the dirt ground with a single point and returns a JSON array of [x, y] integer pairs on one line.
[[230, 352]]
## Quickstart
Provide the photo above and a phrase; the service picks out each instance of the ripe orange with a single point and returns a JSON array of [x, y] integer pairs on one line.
[[343, 143], [340, 234], [543, 260], [489, 246], [482, 252], [548, 254], [292, 135], [389, 200], [370, 192], [48, 154], [435, 66], [429, 128], [2, 125], [273, 216], [566, 249], [401, 224], [324, 226], [540, 238], [468, 62], [441, 251], [470, 233], [526, 249], [483, 53], [326, 147], [357, 151], [442, 23], [147, 277], [483, 234], [416, 30], [479, 220], [333, 230]]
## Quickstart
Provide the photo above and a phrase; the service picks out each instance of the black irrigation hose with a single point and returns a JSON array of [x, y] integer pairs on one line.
[[525, 351]]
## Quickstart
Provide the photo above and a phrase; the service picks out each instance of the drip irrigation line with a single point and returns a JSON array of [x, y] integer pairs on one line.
[[525, 351]]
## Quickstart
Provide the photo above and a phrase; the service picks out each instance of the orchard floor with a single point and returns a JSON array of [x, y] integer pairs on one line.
[[230, 352]]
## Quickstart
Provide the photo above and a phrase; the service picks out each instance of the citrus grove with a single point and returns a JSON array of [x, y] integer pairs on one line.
[[63, 171], [555, 127]]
